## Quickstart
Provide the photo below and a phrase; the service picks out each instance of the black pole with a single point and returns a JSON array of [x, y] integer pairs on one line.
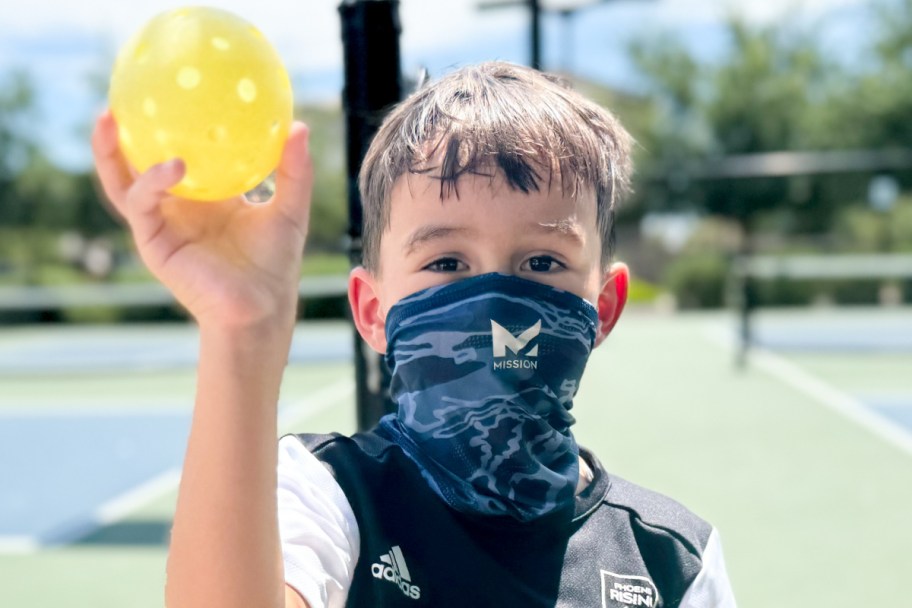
[[535, 13], [373, 83], [747, 300], [535, 9], [567, 16]]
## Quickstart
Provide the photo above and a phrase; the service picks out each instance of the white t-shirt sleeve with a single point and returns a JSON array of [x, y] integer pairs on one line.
[[319, 534], [711, 588]]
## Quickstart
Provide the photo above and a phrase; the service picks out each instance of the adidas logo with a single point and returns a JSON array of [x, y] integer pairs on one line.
[[394, 570], [502, 340]]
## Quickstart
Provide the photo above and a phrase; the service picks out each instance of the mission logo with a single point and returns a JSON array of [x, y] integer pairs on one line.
[[523, 354]]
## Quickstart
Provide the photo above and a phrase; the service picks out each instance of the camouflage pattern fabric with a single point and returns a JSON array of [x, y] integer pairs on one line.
[[484, 371]]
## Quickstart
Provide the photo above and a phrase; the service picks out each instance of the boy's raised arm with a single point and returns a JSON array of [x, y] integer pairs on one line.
[[235, 267]]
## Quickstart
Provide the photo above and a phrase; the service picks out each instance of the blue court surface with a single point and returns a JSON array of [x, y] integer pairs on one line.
[[74, 459], [60, 469]]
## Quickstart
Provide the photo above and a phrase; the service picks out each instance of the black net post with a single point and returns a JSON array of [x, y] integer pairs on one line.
[[535, 59], [747, 300], [373, 83]]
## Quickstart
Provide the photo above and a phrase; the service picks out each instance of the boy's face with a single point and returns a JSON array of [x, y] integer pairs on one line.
[[542, 236]]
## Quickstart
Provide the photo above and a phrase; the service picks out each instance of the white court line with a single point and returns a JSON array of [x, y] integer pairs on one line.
[[832, 397], [823, 393], [18, 545], [121, 506]]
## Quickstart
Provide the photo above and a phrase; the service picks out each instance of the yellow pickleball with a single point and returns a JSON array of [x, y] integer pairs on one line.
[[206, 86]]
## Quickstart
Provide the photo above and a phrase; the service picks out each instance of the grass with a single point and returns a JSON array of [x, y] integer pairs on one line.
[[323, 264], [643, 292]]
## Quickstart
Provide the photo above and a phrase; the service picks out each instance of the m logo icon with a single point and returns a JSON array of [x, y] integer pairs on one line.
[[503, 340]]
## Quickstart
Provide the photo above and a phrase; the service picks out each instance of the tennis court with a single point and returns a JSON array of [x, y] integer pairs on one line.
[[802, 460]]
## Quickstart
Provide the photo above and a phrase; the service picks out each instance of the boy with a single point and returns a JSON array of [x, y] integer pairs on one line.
[[487, 280]]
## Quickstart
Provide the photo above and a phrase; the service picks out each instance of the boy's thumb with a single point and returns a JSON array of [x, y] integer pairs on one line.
[[294, 176]]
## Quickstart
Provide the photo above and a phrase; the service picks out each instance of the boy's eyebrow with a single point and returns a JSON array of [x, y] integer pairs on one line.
[[429, 233], [564, 228]]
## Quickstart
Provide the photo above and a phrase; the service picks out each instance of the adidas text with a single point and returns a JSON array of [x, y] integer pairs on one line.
[[392, 568]]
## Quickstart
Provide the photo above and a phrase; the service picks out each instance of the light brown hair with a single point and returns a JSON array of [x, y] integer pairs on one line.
[[493, 117]]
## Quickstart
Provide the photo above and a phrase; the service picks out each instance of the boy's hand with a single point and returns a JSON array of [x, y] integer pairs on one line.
[[231, 263]]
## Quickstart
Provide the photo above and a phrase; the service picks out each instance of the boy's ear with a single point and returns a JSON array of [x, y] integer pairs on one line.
[[364, 299], [611, 299]]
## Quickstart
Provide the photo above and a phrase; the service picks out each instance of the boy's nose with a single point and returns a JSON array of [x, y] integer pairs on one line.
[[499, 266]]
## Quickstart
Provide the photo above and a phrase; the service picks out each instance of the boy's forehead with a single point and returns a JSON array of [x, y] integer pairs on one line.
[[435, 193], [485, 204]]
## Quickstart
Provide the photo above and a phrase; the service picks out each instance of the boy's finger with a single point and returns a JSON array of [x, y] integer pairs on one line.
[[110, 164], [144, 198], [294, 177]]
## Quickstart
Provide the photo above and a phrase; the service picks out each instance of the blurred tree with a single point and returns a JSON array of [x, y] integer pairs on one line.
[[873, 107], [776, 90], [328, 216], [38, 200], [761, 96], [17, 149]]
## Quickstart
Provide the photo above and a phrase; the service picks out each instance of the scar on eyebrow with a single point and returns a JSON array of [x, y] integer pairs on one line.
[[565, 227], [429, 233]]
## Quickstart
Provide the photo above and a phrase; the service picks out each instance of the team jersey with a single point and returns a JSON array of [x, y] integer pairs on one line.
[[361, 527]]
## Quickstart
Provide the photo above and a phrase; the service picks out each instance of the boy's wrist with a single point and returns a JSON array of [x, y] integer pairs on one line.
[[243, 363], [277, 316], [270, 334]]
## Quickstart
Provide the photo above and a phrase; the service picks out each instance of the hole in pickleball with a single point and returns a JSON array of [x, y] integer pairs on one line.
[[150, 108], [246, 90], [141, 54], [188, 77], [220, 43], [218, 134]]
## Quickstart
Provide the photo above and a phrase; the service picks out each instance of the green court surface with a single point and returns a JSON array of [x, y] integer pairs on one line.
[[791, 459]]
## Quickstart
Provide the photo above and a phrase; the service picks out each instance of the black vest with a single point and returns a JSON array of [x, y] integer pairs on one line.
[[622, 546]]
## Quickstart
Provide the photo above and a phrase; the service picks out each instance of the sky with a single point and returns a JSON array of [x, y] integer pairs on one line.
[[62, 45]]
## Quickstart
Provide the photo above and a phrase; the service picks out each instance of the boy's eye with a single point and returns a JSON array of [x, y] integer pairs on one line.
[[544, 263], [444, 265]]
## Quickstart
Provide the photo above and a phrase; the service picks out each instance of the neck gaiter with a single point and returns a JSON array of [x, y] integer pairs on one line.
[[484, 371]]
